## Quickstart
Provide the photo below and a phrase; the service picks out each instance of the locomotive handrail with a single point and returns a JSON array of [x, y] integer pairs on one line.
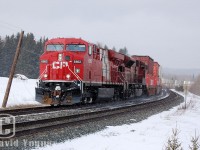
[[69, 70], [43, 72], [122, 78], [75, 74]]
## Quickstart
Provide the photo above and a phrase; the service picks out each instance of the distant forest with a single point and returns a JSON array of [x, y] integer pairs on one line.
[[28, 62]]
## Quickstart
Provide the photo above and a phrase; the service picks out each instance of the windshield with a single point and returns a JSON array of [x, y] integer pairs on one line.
[[55, 47], [75, 47]]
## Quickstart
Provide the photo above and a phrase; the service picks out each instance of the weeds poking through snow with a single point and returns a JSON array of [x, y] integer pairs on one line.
[[195, 145], [190, 104], [173, 142]]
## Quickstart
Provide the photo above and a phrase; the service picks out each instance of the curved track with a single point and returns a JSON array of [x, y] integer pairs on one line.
[[91, 114], [41, 109]]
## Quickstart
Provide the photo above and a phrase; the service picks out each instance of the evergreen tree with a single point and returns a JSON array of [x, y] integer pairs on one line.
[[195, 144], [8, 52], [1, 56], [114, 49], [173, 142], [26, 59], [28, 62], [1, 43], [105, 47], [123, 51]]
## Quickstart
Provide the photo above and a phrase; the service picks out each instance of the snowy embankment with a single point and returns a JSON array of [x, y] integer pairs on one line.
[[152, 133], [22, 92]]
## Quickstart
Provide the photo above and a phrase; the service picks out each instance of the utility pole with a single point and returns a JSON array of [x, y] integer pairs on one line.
[[185, 86], [12, 71]]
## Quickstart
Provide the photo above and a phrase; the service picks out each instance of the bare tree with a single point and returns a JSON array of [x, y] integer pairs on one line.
[[195, 88]]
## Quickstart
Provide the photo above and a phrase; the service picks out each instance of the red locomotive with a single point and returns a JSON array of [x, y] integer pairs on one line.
[[73, 71]]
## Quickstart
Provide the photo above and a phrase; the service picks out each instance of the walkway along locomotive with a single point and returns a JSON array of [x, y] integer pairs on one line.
[[73, 70]]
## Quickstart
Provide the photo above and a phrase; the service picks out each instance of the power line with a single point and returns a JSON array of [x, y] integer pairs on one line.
[[11, 25], [15, 28], [7, 28]]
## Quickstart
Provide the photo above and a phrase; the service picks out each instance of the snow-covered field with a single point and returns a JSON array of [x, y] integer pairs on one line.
[[151, 133], [22, 92]]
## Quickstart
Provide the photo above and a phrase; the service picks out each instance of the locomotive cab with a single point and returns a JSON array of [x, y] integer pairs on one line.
[[62, 71]]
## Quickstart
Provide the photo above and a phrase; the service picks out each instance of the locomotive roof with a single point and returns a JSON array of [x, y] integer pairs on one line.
[[64, 40], [142, 56], [157, 63]]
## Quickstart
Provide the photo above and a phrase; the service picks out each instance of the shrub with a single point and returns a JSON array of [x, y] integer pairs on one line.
[[173, 142]]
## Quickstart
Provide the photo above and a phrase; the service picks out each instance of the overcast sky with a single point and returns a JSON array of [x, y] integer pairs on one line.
[[166, 30]]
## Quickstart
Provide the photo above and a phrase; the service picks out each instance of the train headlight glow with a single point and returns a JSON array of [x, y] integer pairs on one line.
[[45, 75], [60, 57], [68, 76]]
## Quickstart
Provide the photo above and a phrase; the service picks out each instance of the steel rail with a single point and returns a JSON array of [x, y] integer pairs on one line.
[[31, 127]]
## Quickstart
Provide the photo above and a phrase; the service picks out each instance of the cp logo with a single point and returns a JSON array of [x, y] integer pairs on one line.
[[7, 126]]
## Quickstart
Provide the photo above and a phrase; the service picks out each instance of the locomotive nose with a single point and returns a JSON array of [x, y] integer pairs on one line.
[[60, 68], [63, 66]]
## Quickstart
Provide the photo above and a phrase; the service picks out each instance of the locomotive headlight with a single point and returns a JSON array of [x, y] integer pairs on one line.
[[77, 70], [60, 57], [68, 76], [45, 75]]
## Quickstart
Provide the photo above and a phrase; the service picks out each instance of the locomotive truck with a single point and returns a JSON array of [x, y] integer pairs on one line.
[[73, 70]]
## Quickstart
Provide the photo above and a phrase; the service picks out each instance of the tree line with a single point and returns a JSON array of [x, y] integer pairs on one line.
[[28, 62], [121, 50]]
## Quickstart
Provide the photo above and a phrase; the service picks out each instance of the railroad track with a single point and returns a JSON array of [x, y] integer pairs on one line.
[[38, 109], [27, 126], [41, 109]]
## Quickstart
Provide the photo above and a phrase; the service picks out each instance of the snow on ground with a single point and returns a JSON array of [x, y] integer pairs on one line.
[[151, 133], [22, 91]]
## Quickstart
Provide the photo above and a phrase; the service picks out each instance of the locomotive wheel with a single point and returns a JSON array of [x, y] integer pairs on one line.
[[53, 105], [87, 100], [90, 100]]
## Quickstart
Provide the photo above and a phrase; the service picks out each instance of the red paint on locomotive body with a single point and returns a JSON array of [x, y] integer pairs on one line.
[[86, 72], [148, 62], [156, 73], [61, 61], [151, 75]]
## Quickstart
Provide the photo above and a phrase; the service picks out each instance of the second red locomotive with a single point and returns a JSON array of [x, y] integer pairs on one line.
[[73, 71]]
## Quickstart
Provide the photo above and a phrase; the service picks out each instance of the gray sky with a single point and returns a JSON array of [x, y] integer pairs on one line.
[[166, 30]]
